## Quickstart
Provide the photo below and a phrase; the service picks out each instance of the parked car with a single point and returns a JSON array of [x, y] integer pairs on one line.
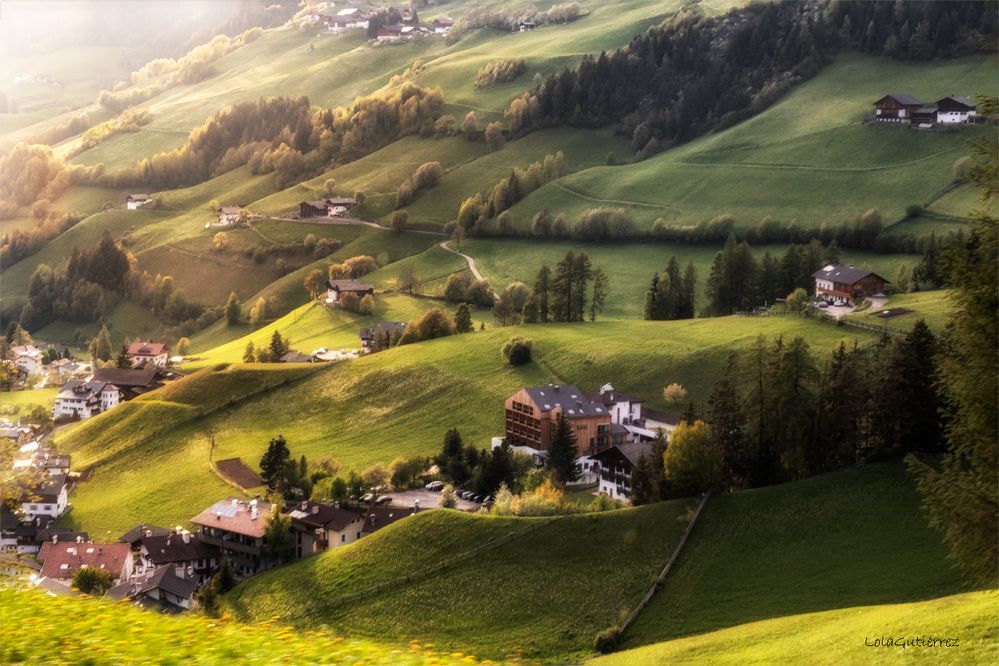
[[383, 499], [435, 486], [367, 498], [823, 304], [488, 499], [466, 495], [477, 499]]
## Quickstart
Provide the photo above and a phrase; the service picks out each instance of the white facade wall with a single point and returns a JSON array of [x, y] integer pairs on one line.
[[955, 117], [46, 508]]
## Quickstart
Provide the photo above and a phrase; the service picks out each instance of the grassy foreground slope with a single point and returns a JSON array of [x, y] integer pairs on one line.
[[841, 637], [811, 148], [393, 403], [36, 628], [545, 594], [845, 539]]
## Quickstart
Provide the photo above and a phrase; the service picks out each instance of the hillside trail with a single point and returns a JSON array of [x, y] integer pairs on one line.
[[468, 259], [350, 221]]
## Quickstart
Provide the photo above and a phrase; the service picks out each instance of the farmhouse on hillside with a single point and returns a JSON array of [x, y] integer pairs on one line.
[[105, 389], [390, 33], [381, 336], [896, 108], [136, 201], [229, 215], [335, 289], [531, 414], [956, 110], [846, 283], [442, 25], [329, 207], [143, 353]]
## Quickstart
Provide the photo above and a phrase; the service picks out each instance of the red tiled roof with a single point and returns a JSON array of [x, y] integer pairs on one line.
[[146, 348], [63, 560], [236, 516]]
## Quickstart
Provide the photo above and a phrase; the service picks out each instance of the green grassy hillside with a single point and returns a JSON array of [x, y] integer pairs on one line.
[[35, 628], [851, 538], [152, 454], [841, 637], [544, 595], [798, 158]]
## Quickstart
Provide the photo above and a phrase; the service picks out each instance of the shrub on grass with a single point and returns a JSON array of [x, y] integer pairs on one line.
[[517, 351]]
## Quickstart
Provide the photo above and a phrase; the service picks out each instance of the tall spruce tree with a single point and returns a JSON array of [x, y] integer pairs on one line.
[[562, 452], [274, 465], [542, 293]]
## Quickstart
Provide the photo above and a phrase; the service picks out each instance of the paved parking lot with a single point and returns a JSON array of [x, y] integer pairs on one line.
[[428, 500]]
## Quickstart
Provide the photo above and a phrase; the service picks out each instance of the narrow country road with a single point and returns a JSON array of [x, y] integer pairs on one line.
[[471, 261]]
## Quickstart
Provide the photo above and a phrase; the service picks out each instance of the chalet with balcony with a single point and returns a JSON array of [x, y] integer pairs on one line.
[[617, 467], [329, 207], [236, 527], [186, 553], [229, 215], [846, 283], [159, 589], [48, 496], [442, 25]]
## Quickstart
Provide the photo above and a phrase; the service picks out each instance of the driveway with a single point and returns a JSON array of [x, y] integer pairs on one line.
[[428, 500]]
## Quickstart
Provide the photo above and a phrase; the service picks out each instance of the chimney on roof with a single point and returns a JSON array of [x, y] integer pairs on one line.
[[305, 505], [315, 508], [253, 513], [186, 536]]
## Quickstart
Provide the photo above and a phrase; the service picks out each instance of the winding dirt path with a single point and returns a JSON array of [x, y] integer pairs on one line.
[[469, 260]]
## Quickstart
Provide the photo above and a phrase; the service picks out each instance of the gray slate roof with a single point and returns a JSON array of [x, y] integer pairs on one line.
[[905, 99], [843, 274], [572, 401]]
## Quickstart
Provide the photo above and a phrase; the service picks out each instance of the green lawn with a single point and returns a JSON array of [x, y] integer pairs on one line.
[[21, 402], [629, 266], [544, 595], [152, 454], [934, 307], [845, 539], [792, 165], [34, 626], [845, 636]]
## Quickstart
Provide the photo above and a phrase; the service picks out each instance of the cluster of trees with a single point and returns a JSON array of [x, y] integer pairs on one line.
[[28, 174], [288, 477], [910, 30], [694, 74], [58, 133], [476, 210], [21, 243], [671, 296], [481, 471], [427, 175], [510, 18], [739, 283], [499, 71], [272, 353], [576, 290], [465, 288], [128, 121], [90, 283], [284, 135], [775, 414]]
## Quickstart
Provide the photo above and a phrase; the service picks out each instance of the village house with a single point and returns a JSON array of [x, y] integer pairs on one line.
[[131, 382], [28, 358], [60, 561], [350, 17], [896, 108], [442, 25], [134, 536], [189, 556], [617, 467], [527, 26], [321, 527], [381, 336], [230, 215], [328, 207], [136, 201], [142, 353], [159, 589], [83, 399], [390, 33], [46, 496], [237, 528], [335, 289], [956, 110], [846, 283]]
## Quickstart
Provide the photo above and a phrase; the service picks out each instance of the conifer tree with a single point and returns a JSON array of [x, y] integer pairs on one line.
[[562, 452]]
